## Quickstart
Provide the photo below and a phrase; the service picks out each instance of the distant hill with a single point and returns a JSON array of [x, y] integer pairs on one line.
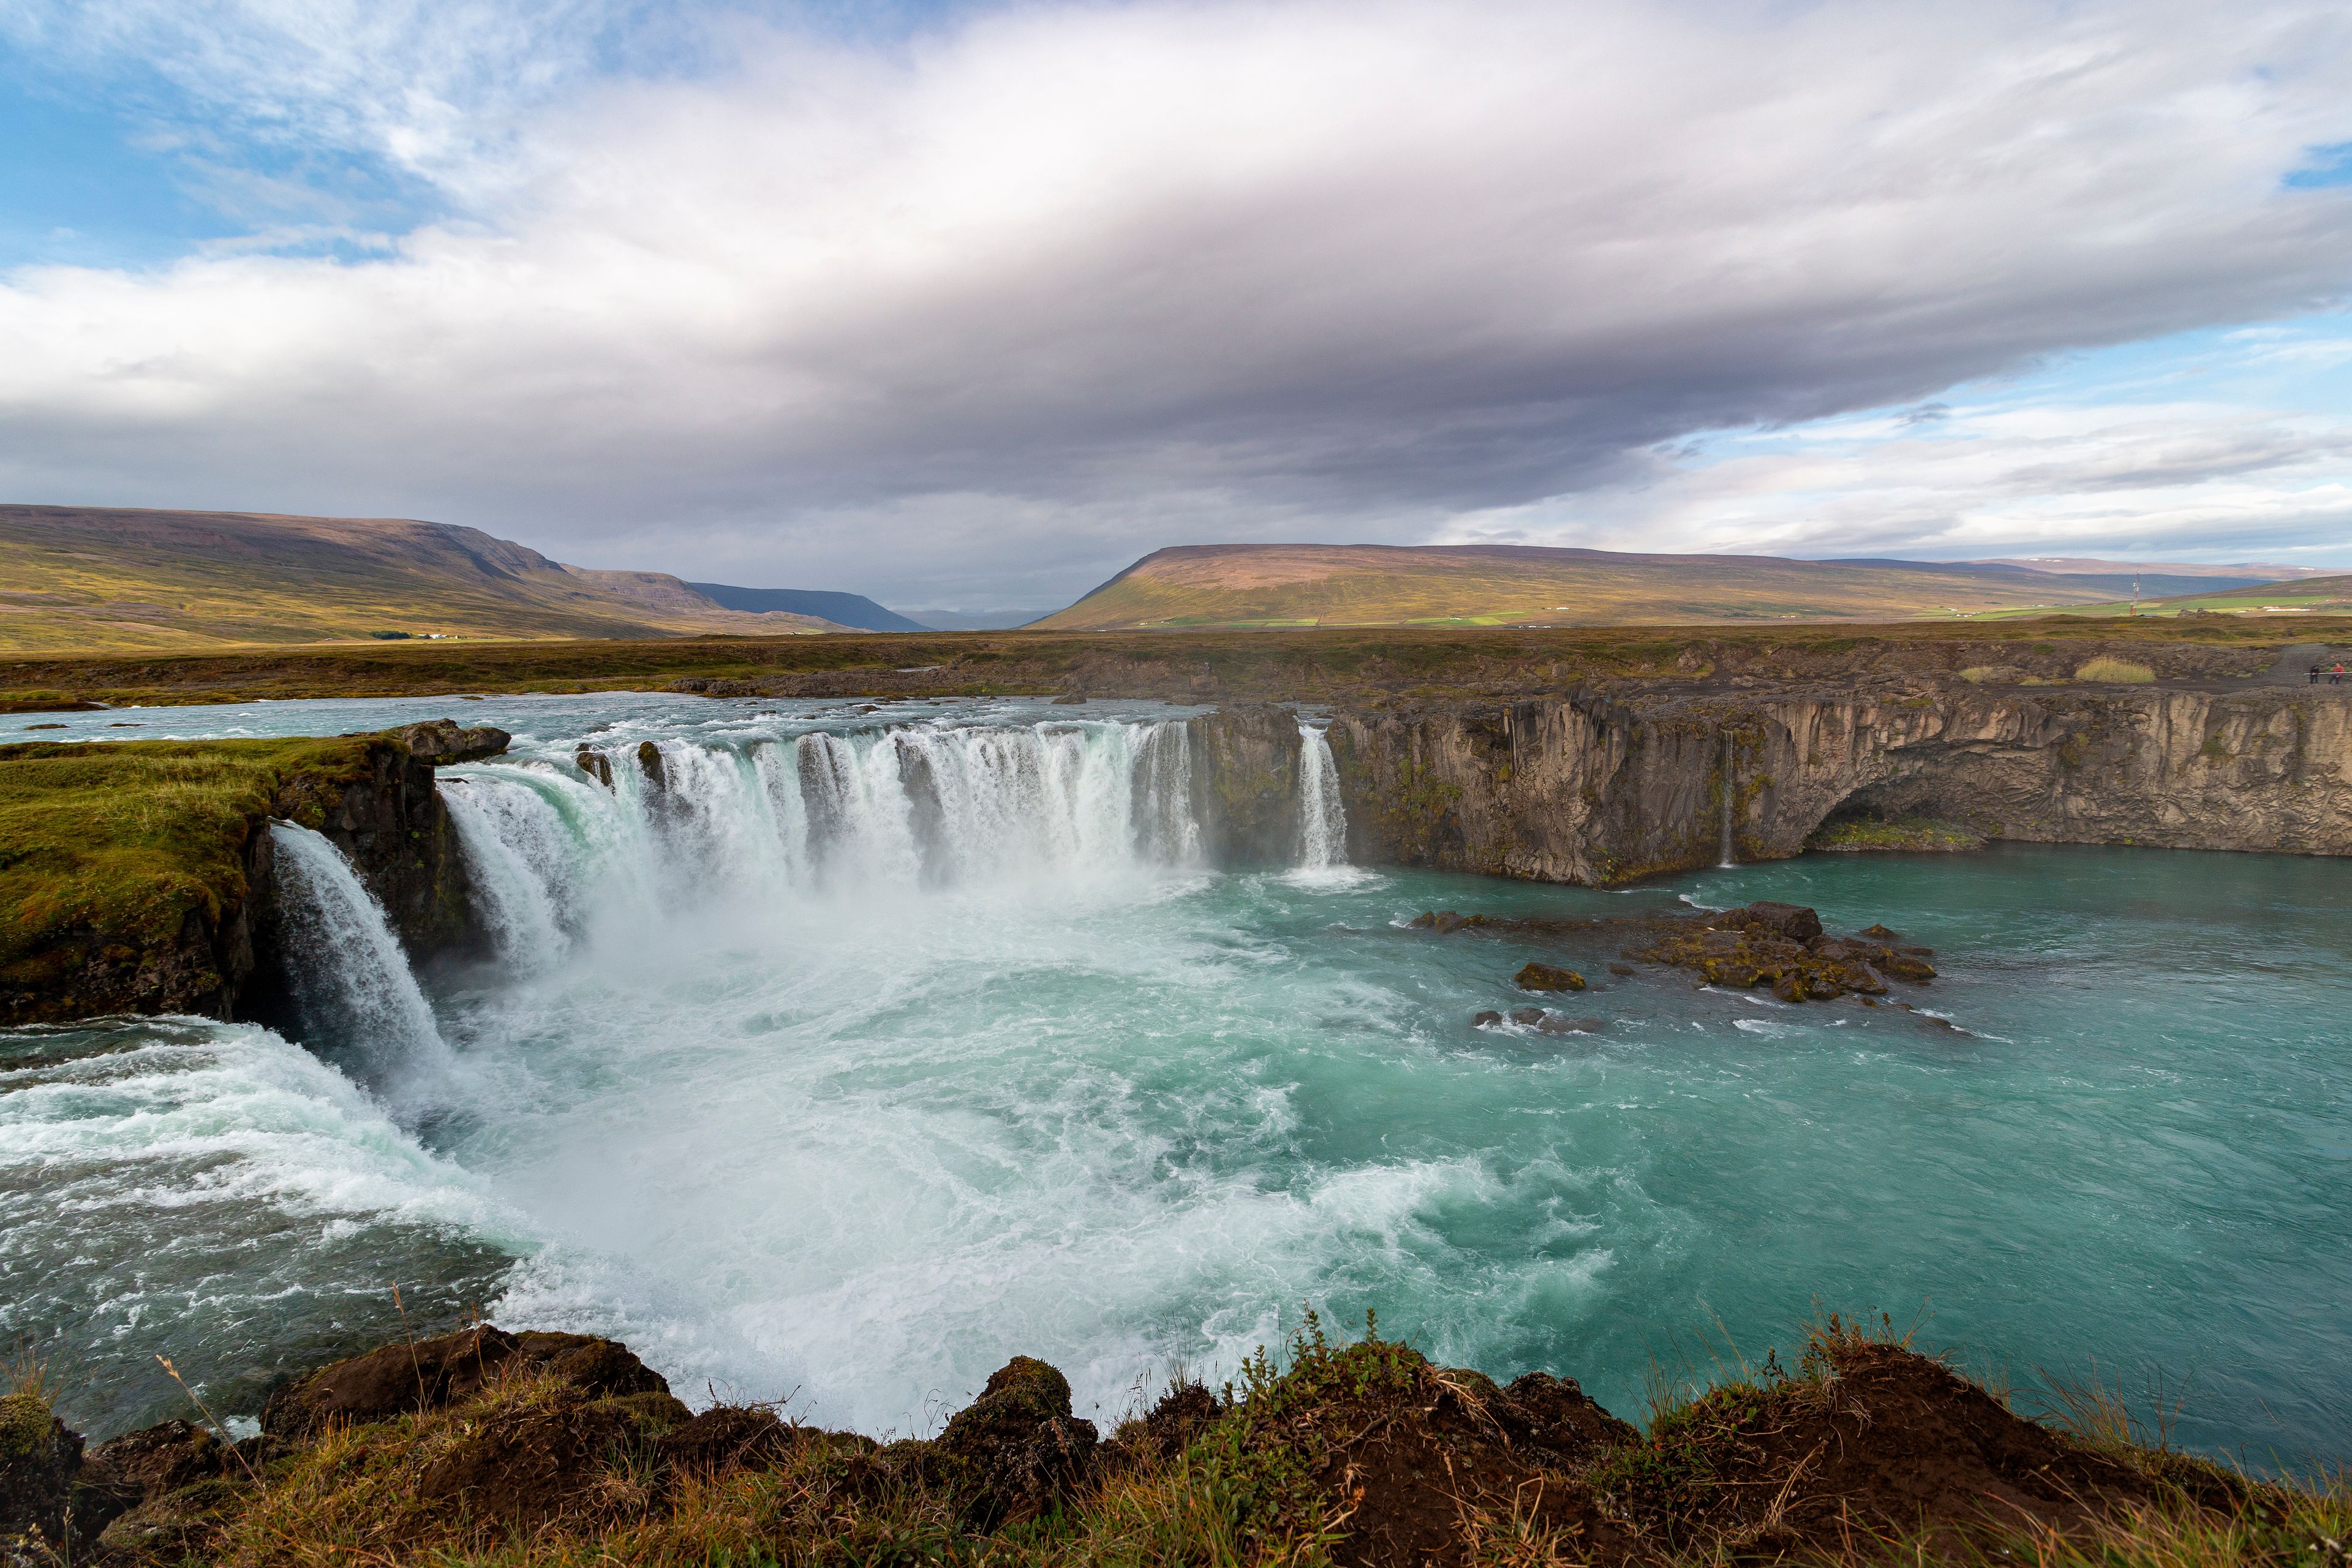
[[100, 580], [842, 609], [2084, 566], [1498, 585]]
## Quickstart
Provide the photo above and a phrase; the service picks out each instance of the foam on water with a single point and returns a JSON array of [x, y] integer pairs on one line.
[[863, 1052], [356, 994], [211, 1192]]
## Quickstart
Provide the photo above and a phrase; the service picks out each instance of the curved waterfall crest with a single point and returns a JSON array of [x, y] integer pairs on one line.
[[554, 849]]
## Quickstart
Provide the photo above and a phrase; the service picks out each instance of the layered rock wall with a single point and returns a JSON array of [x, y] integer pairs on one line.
[[1600, 789], [1246, 784]]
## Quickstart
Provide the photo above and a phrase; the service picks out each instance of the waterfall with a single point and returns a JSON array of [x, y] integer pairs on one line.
[[1166, 831], [558, 853], [512, 897], [1322, 819], [1729, 857], [357, 999]]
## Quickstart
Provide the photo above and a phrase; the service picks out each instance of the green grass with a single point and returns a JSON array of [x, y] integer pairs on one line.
[[119, 845], [1358, 585], [1278, 1477]]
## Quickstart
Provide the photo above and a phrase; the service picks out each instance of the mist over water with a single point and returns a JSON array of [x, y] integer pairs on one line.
[[868, 1049]]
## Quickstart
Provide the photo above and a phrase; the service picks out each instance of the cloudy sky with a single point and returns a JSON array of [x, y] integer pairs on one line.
[[969, 304]]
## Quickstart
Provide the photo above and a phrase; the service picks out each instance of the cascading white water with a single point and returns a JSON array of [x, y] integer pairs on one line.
[[351, 980], [1322, 819], [1728, 859], [512, 897]]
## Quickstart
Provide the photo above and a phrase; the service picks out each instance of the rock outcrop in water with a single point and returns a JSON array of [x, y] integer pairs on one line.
[[1362, 1454], [1602, 789], [1246, 762]]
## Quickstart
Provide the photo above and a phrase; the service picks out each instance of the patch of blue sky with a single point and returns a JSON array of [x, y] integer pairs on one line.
[[2323, 166], [123, 169], [108, 160], [2301, 365]]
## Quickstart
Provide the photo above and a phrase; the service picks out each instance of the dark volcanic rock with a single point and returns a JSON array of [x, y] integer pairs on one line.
[[649, 763], [595, 765], [1794, 921], [1548, 977], [442, 740], [1245, 774], [1482, 1020]]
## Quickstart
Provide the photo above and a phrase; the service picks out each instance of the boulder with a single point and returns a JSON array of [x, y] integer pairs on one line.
[[649, 763], [443, 741], [1017, 1449], [595, 765], [1548, 977], [1794, 921], [405, 1379], [1482, 1020]]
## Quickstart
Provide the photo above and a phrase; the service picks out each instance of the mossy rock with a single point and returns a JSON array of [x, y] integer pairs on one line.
[[1548, 977]]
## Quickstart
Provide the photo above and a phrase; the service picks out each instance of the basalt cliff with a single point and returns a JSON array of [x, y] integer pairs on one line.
[[1602, 787], [142, 877]]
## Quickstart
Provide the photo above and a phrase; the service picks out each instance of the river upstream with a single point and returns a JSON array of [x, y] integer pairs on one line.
[[880, 1046]]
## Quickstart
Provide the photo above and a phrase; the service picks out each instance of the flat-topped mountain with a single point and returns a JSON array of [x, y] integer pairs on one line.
[[1500, 585], [106, 579]]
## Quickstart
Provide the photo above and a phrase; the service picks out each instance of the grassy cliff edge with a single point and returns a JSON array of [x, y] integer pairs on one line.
[[487, 1447]]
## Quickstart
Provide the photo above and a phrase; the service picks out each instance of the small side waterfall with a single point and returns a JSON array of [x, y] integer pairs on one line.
[[1729, 857], [1322, 819], [351, 983], [515, 901]]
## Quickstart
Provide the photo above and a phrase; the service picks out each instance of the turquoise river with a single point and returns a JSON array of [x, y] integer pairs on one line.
[[880, 1046]]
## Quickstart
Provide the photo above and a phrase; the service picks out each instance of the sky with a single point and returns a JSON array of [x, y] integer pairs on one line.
[[969, 305]]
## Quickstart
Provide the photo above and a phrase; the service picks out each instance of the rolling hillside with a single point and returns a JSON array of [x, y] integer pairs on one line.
[[79, 579], [1366, 584]]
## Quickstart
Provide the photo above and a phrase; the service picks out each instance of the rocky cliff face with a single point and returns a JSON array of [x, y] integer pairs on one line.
[[220, 955], [1246, 784], [1600, 789], [392, 827]]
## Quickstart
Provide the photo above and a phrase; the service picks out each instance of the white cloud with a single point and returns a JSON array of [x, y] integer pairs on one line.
[[987, 314], [2170, 481]]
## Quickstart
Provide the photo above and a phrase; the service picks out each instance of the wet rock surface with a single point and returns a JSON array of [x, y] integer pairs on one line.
[[1548, 977], [1777, 946]]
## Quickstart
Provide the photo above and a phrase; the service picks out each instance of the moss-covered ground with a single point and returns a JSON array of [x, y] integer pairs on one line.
[[121, 843]]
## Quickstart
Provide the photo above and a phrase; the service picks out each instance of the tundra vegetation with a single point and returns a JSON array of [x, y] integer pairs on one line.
[[1312, 666], [488, 1448]]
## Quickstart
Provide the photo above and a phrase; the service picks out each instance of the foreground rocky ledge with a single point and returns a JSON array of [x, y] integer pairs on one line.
[[560, 1448]]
